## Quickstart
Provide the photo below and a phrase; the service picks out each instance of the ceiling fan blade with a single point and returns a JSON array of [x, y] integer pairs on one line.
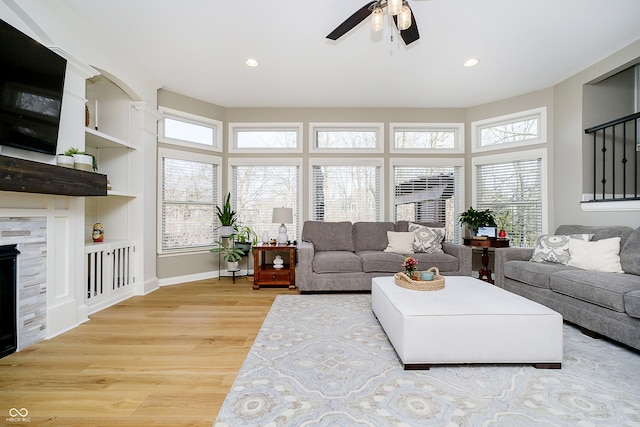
[[411, 34], [359, 16]]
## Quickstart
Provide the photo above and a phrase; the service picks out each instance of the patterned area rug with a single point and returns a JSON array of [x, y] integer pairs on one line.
[[324, 360]]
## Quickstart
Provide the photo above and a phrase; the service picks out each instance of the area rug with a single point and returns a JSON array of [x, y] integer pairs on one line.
[[324, 360]]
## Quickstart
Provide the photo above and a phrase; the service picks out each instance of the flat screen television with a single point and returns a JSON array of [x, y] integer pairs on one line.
[[31, 88]]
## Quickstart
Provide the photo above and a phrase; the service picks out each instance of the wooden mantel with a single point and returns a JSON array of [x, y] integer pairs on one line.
[[27, 176]]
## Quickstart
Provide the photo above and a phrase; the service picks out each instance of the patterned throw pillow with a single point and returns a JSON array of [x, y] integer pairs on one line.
[[428, 240], [555, 248]]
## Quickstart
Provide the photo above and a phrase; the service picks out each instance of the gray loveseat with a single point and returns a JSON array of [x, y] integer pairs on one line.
[[605, 303], [341, 256]]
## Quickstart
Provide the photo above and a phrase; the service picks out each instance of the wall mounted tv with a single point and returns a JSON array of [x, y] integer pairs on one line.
[[31, 87]]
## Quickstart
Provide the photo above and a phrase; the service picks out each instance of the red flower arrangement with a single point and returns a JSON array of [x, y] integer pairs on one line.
[[410, 265]]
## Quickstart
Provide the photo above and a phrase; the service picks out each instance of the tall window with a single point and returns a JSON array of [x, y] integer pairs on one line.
[[513, 130], [430, 193], [346, 190], [514, 183], [189, 189], [258, 186]]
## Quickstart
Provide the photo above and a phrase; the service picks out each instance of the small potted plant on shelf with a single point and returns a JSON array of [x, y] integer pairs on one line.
[[245, 238], [227, 217], [81, 160], [229, 252], [474, 219], [503, 218]]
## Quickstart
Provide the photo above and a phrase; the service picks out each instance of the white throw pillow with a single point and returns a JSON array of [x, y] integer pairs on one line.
[[601, 255], [400, 242], [555, 248], [428, 240]]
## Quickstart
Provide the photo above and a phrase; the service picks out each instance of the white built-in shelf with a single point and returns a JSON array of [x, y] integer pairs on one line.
[[120, 194], [97, 139]]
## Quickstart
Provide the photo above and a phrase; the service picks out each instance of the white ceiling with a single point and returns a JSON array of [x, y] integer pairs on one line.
[[198, 48]]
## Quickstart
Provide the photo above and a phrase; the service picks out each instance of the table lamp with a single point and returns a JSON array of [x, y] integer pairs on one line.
[[282, 216]]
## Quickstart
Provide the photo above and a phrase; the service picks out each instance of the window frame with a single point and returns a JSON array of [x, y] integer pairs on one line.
[[326, 161], [457, 128], [186, 156], [194, 119], [235, 127], [514, 157], [478, 126], [378, 127]]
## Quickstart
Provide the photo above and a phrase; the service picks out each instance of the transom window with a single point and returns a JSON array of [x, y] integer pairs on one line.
[[346, 137], [343, 190], [513, 130], [418, 138], [265, 137], [180, 128]]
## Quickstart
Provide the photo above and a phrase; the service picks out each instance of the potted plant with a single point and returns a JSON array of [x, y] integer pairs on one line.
[[474, 219], [245, 237], [227, 217], [82, 160], [504, 222], [65, 160], [230, 253]]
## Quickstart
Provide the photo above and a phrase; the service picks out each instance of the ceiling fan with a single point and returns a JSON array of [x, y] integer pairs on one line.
[[399, 10]]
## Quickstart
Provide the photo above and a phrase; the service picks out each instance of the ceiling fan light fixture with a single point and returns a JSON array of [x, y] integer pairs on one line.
[[377, 19], [394, 7], [404, 17]]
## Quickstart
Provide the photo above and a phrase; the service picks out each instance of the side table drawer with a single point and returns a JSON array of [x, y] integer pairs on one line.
[[274, 276]]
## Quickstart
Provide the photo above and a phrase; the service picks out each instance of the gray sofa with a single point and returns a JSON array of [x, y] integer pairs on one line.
[[605, 303], [341, 256]]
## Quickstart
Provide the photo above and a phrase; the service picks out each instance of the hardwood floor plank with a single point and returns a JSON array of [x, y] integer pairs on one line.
[[164, 359]]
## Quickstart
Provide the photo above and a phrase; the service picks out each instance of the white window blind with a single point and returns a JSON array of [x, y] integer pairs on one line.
[[346, 193], [189, 194], [514, 186], [257, 189], [430, 194]]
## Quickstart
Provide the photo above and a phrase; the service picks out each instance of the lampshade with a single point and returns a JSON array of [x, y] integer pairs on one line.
[[282, 216], [404, 18], [394, 6], [377, 19]]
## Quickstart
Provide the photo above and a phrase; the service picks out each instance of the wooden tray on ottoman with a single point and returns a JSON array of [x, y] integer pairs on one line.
[[405, 281]]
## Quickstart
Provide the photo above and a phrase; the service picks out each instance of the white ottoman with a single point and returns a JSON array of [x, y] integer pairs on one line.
[[469, 321]]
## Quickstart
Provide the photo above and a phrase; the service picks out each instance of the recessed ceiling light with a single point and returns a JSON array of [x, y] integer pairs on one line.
[[471, 62], [252, 62]]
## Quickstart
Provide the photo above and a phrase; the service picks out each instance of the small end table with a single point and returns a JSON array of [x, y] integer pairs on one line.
[[266, 275], [485, 244]]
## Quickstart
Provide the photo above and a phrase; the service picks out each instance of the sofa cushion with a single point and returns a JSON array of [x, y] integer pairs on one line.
[[632, 304], [603, 289], [630, 253], [555, 248], [404, 225], [599, 232], [400, 242], [336, 262], [603, 255], [533, 273], [377, 261], [328, 236], [444, 262], [427, 240], [371, 236]]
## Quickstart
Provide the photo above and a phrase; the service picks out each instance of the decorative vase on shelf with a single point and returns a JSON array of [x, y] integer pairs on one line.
[[265, 238], [278, 262], [98, 232]]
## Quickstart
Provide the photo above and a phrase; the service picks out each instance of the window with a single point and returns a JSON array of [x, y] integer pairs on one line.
[[189, 191], [258, 186], [265, 137], [346, 137], [513, 130], [418, 138], [429, 192], [180, 128], [346, 190], [514, 183]]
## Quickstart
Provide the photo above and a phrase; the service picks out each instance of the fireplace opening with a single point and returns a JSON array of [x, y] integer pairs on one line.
[[8, 300]]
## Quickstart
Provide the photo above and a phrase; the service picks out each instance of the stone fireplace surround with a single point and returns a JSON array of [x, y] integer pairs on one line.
[[30, 234]]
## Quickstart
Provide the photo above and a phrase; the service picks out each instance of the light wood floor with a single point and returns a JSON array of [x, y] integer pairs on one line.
[[165, 359]]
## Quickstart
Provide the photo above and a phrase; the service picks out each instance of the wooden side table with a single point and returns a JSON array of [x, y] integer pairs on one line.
[[485, 244], [265, 275]]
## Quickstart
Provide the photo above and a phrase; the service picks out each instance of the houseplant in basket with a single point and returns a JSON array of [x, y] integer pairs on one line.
[[227, 217], [474, 219]]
